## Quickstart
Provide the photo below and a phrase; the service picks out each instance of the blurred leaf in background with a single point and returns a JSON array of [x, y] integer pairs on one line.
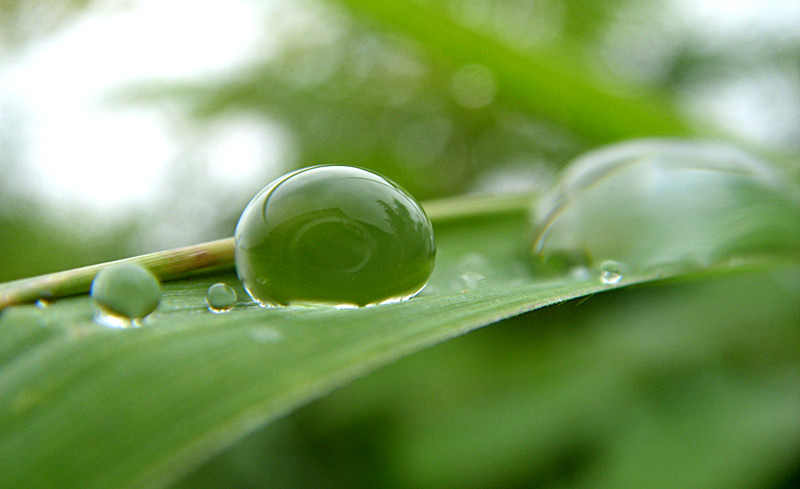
[[673, 385]]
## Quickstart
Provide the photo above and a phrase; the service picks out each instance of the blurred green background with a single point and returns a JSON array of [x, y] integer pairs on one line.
[[132, 126]]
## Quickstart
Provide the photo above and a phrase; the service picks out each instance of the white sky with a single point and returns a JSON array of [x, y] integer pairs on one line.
[[76, 146], [731, 17]]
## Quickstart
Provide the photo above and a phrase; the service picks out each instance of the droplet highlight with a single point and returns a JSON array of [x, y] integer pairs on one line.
[[124, 294], [333, 235], [661, 206], [220, 297]]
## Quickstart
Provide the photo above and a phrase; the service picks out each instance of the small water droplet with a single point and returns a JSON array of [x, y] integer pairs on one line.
[[123, 293], [335, 236], [610, 272], [45, 300], [476, 269], [665, 206], [471, 279], [220, 297]]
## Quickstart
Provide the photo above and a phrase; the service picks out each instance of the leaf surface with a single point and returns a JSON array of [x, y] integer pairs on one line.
[[89, 406]]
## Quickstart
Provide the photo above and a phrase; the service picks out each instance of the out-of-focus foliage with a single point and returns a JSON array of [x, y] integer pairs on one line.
[[440, 104], [22, 20]]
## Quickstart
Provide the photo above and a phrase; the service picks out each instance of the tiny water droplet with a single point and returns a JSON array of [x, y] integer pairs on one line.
[[665, 206], [475, 268], [123, 293], [220, 297], [471, 279], [336, 236], [45, 300], [610, 272]]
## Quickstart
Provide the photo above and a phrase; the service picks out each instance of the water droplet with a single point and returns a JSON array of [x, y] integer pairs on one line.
[[333, 235], [662, 206], [475, 268], [471, 279], [610, 272], [220, 297], [123, 293]]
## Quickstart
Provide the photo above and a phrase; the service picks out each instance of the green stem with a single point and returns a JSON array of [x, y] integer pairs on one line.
[[215, 255], [475, 206], [167, 265]]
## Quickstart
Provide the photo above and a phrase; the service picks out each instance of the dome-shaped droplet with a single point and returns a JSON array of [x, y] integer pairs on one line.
[[661, 205], [334, 235], [220, 297], [611, 272], [126, 290]]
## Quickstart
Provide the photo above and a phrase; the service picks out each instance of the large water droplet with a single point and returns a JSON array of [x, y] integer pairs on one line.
[[124, 293], [663, 205], [333, 235]]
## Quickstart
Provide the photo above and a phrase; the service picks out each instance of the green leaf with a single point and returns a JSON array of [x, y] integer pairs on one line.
[[87, 406]]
